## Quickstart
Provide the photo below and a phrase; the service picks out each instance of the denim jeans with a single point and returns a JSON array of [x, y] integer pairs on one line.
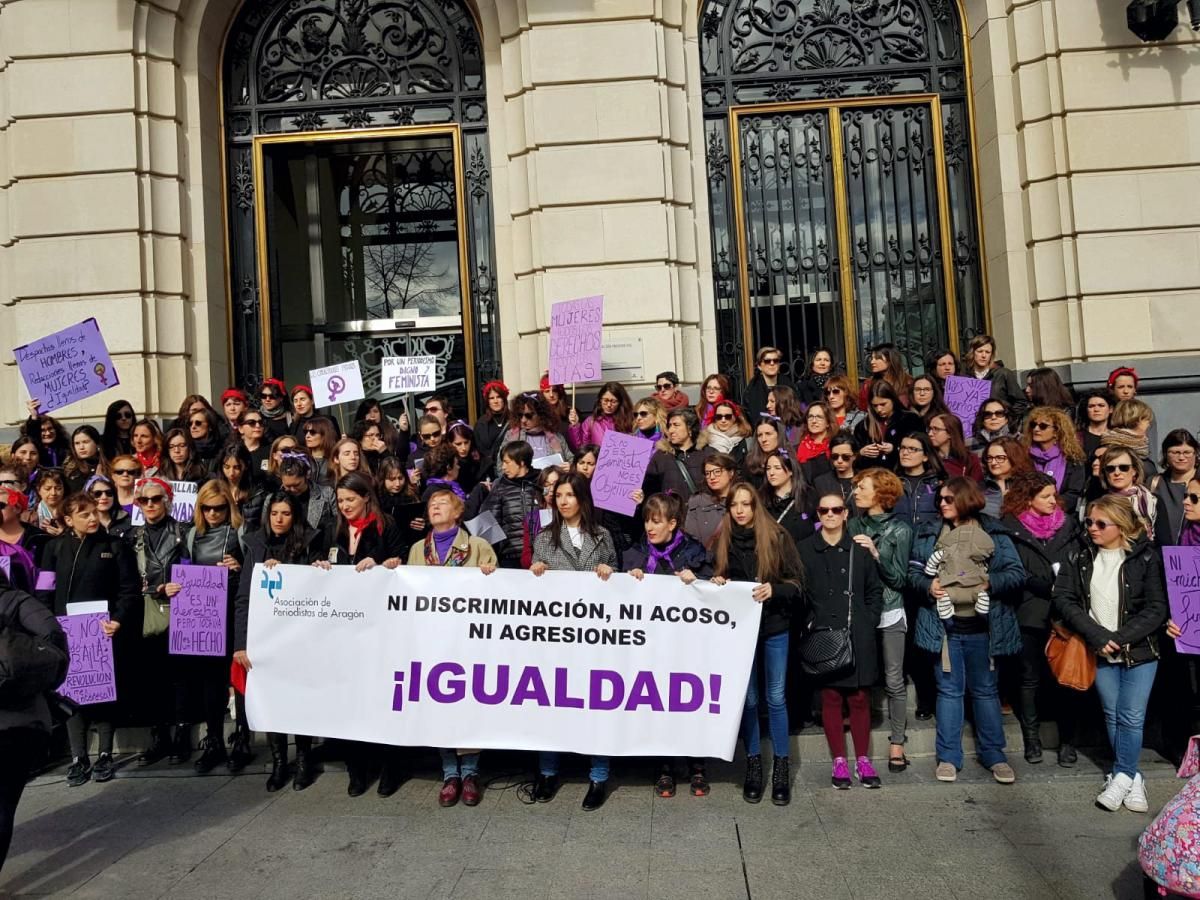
[[455, 766], [970, 670], [774, 650], [1124, 694], [548, 764]]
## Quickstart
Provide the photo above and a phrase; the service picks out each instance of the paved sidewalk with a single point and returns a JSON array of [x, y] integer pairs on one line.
[[163, 832]]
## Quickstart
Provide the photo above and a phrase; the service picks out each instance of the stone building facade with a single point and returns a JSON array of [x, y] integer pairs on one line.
[[122, 195]]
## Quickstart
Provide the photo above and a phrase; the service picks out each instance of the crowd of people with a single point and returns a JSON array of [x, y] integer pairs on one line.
[[888, 541]]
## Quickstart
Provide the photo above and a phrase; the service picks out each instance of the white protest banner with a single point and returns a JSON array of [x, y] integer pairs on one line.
[[183, 503], [406, 374], [449, 657], [337, 384]]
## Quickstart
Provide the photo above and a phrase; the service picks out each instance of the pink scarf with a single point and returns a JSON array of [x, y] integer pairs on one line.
[[1042, 527]]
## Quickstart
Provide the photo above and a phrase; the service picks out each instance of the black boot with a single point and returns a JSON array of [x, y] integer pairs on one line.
[[160, 746], [279, 762], [214, 754], [1033, 747], [305, 774], [181, 747], [753, 787], [391, 775], [240, 753], [781, 787]]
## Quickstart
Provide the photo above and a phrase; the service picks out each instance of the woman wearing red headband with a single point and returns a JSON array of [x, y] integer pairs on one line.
[[303, 409], [490, 427], [20, 542], [273, 404]]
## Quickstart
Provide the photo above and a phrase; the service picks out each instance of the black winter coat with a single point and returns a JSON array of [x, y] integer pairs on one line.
[[831, 592], [379, 545], [690, 554], [785, 592], [511, 501], [23, 612], [798, 520], [901, 425], [100, 567], [1143, 606], [663, 473], [1038, 558], [754, 398], [488, 432], [258, 550], [829, 483]]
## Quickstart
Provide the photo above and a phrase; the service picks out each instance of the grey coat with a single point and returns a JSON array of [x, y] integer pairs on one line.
[[595, 551]]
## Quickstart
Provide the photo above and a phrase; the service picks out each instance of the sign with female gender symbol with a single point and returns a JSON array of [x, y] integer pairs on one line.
[[341, 383]]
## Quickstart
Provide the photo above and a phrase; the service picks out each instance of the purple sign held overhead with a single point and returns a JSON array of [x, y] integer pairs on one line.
[[964, 396], [66, 366], [620, 471], [575, 335], [1182, 565], [90, 677], [198, 612]]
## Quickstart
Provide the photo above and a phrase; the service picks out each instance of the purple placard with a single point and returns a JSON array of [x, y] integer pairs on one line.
[[90, 677], [1182, 565], [620, 471], [66, 366], [198, 612], [964, 396], [575, 335]]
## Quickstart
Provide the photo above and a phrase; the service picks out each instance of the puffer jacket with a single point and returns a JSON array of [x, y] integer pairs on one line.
[[510, 501], [1143, 607], [893, 539], [1006, 577]]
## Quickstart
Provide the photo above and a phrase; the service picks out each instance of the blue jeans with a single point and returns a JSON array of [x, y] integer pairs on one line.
[[1124, 694], [455, 766], [970, 670], [775, 651], [548, 764]]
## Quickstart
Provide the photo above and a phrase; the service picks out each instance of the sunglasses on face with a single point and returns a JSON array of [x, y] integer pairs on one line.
[[269, 396], [771, 361], [152, 500], [1118, 467], [842, 457], [433, 434], [830, 510], [643, 414], [724, 417], [102, 493], [664, 387], [528, 416], [993, 414], [10, 482], [1098, 524], [129, 472], [1193, 499], [197, 423], [433, 410], [310, 431], [125, 414], [1038, 426], [833, 390], [253, 423], [943, 500], [221, 507]]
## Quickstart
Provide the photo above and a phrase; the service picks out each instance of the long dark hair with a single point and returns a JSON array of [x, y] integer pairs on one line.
[[535, 403], [114, 445], [77, 465], [387, 431], [776, 556], [361, 485], [235, 449], [933, 462], [296, 540], [881, 389], [1047, 389], [192, 470], [958, 443], [623, 417], [582, 489]]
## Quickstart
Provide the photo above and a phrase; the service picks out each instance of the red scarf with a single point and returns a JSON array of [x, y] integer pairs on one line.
[[148, 459], [810, 449], [360, 525]]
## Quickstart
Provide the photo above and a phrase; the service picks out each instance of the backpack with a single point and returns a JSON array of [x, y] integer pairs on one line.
[[29, 665]]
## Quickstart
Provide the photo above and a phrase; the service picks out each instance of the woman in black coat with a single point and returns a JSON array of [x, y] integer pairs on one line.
[[843, 589], [886, 423], [788, 498], [1043, 534], [90, 564]]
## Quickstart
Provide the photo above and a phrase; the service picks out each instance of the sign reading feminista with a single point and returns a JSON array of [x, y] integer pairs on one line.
[[66, 366], [449, 657]]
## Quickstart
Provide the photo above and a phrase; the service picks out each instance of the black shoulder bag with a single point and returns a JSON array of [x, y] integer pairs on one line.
[[827, 652]]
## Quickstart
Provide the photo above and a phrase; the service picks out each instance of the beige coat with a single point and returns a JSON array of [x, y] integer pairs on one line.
[[479, 551]]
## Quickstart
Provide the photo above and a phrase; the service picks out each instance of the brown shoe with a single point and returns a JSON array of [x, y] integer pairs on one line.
[[471, 792], [946, 772], [1003, 773], [448, 795]]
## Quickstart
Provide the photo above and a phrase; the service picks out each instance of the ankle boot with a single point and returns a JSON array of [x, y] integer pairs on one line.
[[214, 754], [240, 753], [753, 787], [160, 746], [781, 782], [279, 763], [181, 746], [1033, 745], [305, 774]]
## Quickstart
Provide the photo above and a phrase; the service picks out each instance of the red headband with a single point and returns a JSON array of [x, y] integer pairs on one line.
[[277, 384], [499, 386], [17, 499], [303, 387], [1123, 370], [142, 482], [234, 394]]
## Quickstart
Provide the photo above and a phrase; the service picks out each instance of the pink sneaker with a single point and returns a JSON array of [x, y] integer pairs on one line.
[[866, 773], [841, 774]]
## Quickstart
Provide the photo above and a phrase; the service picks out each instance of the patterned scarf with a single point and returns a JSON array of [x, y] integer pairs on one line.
[[456, 558], [1126, 440], [657, 556]]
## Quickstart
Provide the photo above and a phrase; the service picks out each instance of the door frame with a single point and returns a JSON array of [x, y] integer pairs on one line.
[[841, 198], [451, 130]]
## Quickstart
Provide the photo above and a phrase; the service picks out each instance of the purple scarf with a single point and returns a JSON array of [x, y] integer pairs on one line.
[[447, 483], [1050, 462], [1043, 527], [1189, 534], [655, 555], [444, 540]]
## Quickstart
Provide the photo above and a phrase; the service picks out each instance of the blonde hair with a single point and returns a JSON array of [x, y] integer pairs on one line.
[[1129, 414], [212, 491], [660, 419], [1122, 514]]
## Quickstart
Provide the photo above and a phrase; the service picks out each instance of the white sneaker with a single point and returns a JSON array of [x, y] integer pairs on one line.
[[1115, 792], [1135, 800]]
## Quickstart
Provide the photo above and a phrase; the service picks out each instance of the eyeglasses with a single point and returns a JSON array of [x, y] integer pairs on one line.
[[997, 457], [1038, 426], [665, 386], [101, 493], [830, 510], [993, 414], [724, 417], [904, 448], [1098, 524], [943, 500], [1181, 451], [938, 428], [771, 360], [643, 414], [10, 482], [152, 500], [197, 423], [220, 507], [253, 423], [528, 416], [713, 473], [1192, 498], [843, 457], [127, 471], [1118, 467], [175, 446]]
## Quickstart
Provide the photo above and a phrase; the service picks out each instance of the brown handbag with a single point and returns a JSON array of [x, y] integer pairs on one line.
[[1072, 663]]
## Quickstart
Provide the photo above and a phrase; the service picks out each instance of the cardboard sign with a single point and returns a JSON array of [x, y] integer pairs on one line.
[[575, 338], [620, 471], [1182, 566], [408, 374], [66, 366], [337, 384], [91, 677], [964, 396], [199, 611]]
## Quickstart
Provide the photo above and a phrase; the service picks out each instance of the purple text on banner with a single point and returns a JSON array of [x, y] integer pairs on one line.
[[575, 335], [620, 471], [198, 612], [1182, 565], [90, 677], [964, 396], [66, 366]]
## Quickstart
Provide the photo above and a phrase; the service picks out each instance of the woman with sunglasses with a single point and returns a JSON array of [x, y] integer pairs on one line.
[[1178, 463], [1044, 535], [180, 463], [85, 459], [20, 542], [252, 433], [843, 454], [650, 421], [148, 446], [1053, 446], [886, 424], [927, 397], [1112, 593], [208, 432], [842, 590], [573, 542], [752, 547], [213, 540], [126, 470], [1121, 475], [785, 405], [116, 438], [113, 519], [769, 363], [667, 392], [1004, 459], [889, 542], [365, 537], [965, 639], [534, 423], [946, 434], [192, 403], [811, 387], [729, 431], [1093, 415], [715, 387], [991, 423], [614, 411], [843, 401], [273, 406], [1181, 701], [706, 509], [319, 438], [283, 538]]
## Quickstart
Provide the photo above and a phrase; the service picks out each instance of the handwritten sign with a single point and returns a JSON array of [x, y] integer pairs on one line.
[[337, 384], [91, 677], [198, 612], [575, 339], [620, 471], [964, 396], [66, 366], [183, 503], [404, 374], [1182, 565]]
